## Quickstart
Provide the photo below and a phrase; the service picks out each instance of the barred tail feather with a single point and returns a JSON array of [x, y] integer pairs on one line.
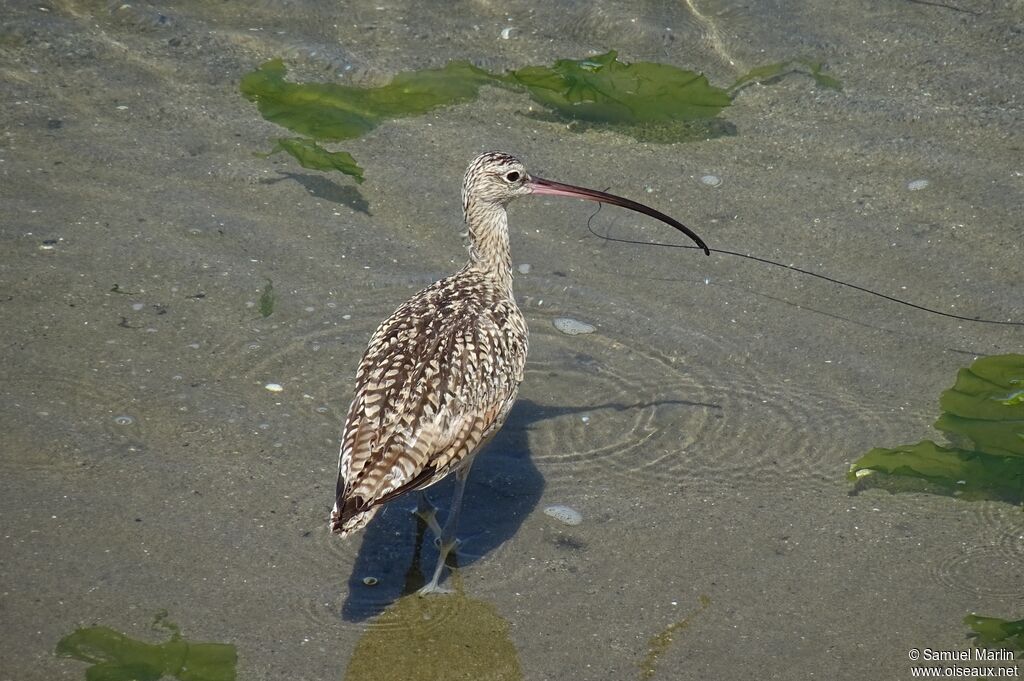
[[347, 518]]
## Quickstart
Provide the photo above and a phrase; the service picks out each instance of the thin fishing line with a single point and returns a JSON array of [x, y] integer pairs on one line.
[[800, 270]]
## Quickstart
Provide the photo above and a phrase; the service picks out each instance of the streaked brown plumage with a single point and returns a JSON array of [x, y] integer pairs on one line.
[[441, 373]]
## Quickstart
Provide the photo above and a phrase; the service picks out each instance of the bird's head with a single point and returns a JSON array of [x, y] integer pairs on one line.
[[495, 178]]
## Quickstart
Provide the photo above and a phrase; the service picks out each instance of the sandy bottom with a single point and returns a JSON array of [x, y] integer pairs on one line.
[[702, 431]]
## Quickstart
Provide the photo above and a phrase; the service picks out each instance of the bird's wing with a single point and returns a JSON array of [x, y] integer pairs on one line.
[[436, 381]]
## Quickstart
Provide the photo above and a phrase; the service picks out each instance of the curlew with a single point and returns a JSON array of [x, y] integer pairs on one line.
[[440, 374]]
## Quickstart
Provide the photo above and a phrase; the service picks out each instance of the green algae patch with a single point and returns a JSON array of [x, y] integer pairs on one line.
[[998, 634], [333, 112], [598, 91], [602, 89], [442, 637], [113, 656], [983, 418], [657, 645], [311, 155], [648, 101], [266, 304], [771, 73]]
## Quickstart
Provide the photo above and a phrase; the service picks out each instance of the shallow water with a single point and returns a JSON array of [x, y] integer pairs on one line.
[[702, 431]]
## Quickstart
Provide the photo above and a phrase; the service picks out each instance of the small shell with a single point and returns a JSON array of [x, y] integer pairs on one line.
[[917, 185], [564, 514], [572, 327]]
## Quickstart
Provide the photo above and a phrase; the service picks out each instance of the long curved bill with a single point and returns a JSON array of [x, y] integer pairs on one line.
[[541, 186]]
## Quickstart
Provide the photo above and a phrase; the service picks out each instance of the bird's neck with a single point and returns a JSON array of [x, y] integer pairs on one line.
[[489, 251]]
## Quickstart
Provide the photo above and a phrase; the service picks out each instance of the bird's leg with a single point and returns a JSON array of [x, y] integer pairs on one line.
[[447, 541], [427, 512]]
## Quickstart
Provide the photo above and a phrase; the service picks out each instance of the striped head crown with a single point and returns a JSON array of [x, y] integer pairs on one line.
[[494, 177]]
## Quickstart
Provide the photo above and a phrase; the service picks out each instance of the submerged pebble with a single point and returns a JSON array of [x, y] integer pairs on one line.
[[915, 185], [564, 514], [124, 420], [711, 180], [524, 268], [274, 387], [573, 327]]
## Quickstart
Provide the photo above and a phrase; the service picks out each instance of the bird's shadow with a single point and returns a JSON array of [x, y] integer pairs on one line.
[[504, 486]]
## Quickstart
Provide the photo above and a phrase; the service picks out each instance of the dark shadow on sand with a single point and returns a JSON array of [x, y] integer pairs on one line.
[[323, 188], [503, 489]]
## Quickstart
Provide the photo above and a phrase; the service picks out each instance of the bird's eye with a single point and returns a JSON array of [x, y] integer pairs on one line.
[[513, 176]]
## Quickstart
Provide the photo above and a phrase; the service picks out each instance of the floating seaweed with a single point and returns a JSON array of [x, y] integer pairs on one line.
[[646, 100], [983, 417], [116, 657]]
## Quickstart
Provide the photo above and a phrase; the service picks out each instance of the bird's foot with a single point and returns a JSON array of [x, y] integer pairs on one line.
[[434, 588], [445, 549]]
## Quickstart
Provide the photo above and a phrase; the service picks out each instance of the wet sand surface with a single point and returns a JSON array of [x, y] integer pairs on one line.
[[702, 431]]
